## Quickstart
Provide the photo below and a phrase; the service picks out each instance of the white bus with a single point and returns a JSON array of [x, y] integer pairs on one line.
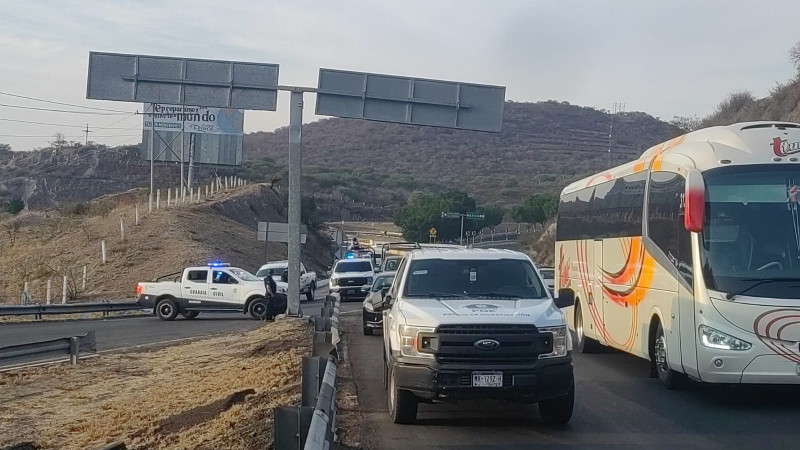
[[690, 256]]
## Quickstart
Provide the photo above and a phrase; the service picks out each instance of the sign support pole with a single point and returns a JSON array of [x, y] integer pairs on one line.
[[295, 199], [183, 152], [152, 159], [461, 238], [191, 160]]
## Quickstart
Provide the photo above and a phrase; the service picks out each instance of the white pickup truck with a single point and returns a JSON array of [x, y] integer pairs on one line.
[[349, 276], [474, 324], [275, 269], [215, 287]]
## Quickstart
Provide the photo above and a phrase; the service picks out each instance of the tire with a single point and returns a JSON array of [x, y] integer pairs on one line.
[[583, 344], [402, 404], [668, 377], [258, 309], [310, 293], [166, 309], [367, 330], [190, 314], [558, 411]]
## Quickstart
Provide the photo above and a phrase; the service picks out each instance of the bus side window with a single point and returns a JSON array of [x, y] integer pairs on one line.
[[665, 220]]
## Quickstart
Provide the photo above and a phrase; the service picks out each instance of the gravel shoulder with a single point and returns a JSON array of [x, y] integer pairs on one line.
[[212, 393]]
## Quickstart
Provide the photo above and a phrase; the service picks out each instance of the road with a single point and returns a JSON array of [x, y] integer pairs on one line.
[[122, 332], [617, 406]]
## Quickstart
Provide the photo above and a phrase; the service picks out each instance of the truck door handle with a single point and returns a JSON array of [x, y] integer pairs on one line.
[[187, 287], [213, 289]]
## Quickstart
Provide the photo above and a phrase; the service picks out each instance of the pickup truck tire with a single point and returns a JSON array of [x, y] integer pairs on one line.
[[558, 411], [310, 293], [166, 309], [258, 309], [402, 404], [190, 314]]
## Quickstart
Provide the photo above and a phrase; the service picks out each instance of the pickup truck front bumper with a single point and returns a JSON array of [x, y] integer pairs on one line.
[[545, 379]]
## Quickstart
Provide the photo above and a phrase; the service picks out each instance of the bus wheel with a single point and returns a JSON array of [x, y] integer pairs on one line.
[[582, 343], [668, 377]]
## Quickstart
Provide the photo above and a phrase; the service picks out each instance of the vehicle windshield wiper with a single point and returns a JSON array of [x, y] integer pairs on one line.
[[437, 295], [495, 294], [759, 282]]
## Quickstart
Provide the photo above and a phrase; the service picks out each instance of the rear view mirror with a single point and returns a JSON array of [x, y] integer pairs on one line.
[[694, 202], [566, 298], [380, 303]]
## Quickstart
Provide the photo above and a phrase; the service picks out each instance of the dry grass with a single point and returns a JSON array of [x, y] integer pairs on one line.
[[216, 393]]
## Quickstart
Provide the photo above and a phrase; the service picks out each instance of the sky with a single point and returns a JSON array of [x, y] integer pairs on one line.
[[666, 58]]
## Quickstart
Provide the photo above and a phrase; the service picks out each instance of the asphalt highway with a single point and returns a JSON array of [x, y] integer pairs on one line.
[[617, 407], [123, 332]]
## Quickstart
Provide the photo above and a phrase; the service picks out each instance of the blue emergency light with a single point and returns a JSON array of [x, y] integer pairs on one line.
[[349, 255], [218, 264]]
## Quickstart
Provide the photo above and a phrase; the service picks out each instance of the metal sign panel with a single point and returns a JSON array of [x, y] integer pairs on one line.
[[415, 101], [193, 119], [184, 81], [278, 232]]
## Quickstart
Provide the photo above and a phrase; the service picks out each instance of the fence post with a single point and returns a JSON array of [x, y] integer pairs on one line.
[[198, 194], [150, 203], [206, 191], [83, 285], [103, 250], [226, 183], [64, 291], [48, 291], [25, 297], [158, 198], [137, 214], [191, 194], [122, 229], [176, 196], [74, 350], [169, 197]]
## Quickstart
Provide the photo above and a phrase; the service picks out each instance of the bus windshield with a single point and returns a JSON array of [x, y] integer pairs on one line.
[[752, 231]]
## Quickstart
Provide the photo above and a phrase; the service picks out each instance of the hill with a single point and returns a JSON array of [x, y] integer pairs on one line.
[[543, 146], [36, 246]]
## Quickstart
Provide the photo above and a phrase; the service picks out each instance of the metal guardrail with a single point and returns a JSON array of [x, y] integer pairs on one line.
[[312, 424], [72, 346], [68, 308]]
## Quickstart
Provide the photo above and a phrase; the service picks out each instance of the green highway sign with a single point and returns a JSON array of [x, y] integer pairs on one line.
[[474, 216], [449, 215]]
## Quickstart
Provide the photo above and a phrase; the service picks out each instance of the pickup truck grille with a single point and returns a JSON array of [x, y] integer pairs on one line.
[[519, 344], [352, 281]]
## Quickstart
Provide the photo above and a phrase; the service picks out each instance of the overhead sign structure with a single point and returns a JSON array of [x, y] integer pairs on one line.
[[469, 215], [278, 232], [415, 101], [186, 81], [193, 119], [475, 216]]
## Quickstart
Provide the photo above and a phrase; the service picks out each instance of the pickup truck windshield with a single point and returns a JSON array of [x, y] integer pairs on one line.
[[497, 278], [382, 282], [353, 266], [271, 271], [244, 275]]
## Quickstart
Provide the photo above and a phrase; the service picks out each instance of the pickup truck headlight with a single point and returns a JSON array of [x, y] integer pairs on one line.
[[412, 344], [369, 280], [368, 306], [559, 341], [334, 281], [712, 338]]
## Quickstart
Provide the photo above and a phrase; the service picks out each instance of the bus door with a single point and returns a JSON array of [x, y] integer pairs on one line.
[[596, 298]]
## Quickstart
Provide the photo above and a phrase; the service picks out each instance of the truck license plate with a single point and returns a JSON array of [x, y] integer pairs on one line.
[[487, 379]]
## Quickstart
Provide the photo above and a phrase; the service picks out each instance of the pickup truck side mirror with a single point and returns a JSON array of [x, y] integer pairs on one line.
[[382, 303], [566, 298]]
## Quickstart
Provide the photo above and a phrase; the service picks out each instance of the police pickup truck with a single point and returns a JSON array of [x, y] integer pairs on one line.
[[474, 324], [349, 276], [215, 287]]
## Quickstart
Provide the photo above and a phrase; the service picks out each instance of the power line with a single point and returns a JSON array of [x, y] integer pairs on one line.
[[108, 127], [60, 103], [70, 136], [60, 124], [65, 110]]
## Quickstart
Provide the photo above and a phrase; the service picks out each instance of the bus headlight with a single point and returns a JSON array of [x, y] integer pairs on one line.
[[712, 338], [414, 345], [559, 341]]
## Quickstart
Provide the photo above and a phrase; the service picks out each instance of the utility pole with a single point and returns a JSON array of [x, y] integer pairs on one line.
[[86, 141]]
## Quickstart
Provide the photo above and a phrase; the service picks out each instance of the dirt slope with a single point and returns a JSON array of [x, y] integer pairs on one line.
[[52, 244]]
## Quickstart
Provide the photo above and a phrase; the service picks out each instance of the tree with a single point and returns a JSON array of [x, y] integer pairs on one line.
[[14, 206], [794, 55], [494, 215], [686, 124], [423, 211], [58, 141], [537, 208], [5, 148]]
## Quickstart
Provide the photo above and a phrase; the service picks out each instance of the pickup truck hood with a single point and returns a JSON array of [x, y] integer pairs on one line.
[[435, 312]]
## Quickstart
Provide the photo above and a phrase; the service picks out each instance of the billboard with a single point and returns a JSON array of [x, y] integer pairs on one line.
[[213, 149], [193, 119]]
